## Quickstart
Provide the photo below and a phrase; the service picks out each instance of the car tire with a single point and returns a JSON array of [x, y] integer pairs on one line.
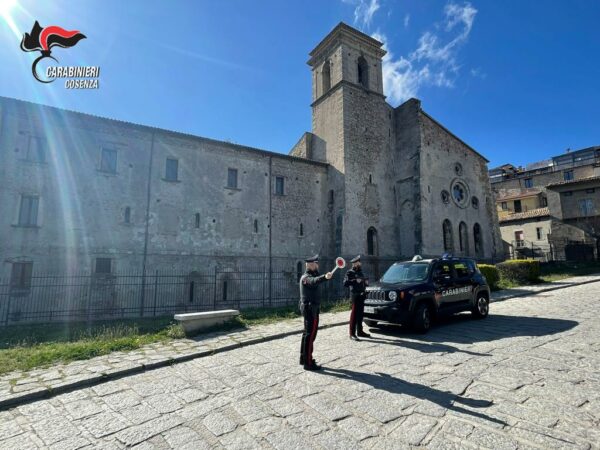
[[422, 318], [482, 307], [370, 323]]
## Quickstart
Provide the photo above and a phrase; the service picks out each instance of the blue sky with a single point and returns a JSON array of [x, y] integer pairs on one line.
[[517, 80]]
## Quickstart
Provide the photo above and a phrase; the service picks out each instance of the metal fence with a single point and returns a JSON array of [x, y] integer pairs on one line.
[[89, 297], [48, 298]]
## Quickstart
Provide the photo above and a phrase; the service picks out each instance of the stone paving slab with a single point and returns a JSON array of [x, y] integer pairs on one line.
[[22, 387], [525, 378]]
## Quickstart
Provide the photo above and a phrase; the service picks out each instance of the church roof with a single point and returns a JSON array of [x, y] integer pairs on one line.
[[232, 145]]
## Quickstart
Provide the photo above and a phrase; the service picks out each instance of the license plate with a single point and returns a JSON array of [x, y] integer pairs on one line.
[[370, 309]]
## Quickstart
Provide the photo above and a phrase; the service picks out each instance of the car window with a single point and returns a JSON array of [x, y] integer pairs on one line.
[[442, 269], [462, 269], [406, 272]]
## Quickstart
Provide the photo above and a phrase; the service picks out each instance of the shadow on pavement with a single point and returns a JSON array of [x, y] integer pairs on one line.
[[425, 348], [394, 385], [462, 329]]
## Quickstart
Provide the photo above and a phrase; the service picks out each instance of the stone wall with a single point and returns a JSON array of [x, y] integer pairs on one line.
[[445, 162]]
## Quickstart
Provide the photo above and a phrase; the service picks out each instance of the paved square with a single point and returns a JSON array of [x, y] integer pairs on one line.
[[526, 377]]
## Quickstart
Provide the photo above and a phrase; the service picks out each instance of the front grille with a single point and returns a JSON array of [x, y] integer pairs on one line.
[[376, 295]]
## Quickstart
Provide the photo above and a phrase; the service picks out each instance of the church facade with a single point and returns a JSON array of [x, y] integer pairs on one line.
[[96, 195]]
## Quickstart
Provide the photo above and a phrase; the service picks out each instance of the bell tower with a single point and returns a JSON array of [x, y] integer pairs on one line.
[[351, 124]]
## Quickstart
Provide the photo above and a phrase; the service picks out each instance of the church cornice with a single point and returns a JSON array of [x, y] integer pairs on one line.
[[346, 83], [343, 32]]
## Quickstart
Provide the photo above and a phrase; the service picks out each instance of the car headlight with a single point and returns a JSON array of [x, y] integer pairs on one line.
[[392, 295]]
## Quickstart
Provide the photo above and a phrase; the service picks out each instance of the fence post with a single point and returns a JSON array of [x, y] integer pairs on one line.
[[263, 285], [215, 291], [155, 292], [142, 297], [89, 299], [7, 315]]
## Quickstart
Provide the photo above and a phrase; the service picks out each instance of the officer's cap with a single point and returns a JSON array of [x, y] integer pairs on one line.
[[355, 259], [312, 259]]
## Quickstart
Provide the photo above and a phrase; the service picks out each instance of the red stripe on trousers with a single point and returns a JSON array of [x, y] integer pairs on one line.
[[352, 319], [310, 342]]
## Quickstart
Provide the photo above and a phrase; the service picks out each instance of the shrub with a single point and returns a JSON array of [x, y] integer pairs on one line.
[[521, 271], [491, 274]]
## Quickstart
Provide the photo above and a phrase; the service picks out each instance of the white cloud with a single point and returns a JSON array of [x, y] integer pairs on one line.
[[406, 20], [434, 62], [364, 11], [478, 73]]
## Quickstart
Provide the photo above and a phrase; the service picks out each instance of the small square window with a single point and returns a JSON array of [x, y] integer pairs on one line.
[[568, 193], [103, 265], [543, 202], [232, 178], [108, 163], [568, 175], [279, 185], [504, 206], [539, 233], [36, 152], [528, 182], [590, 190], [171, 169], [20, 277], [28, 211]]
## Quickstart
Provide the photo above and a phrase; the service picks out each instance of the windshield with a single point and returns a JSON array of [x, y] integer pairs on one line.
[[406, 272]]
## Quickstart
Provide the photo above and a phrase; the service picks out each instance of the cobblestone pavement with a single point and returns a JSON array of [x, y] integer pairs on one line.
[[526, 377], [19, 387]]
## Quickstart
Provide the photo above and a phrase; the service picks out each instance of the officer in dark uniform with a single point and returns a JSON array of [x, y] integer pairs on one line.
[[310, 302], [357, 282]]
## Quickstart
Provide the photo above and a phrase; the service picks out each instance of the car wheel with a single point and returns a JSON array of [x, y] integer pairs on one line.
[[370, 323], [482, 307], [422, 318]]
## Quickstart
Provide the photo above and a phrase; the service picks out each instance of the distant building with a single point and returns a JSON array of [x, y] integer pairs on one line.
[[550, 209]]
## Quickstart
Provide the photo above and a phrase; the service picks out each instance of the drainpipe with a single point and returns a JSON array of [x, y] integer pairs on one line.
[[270, 230], [147, 225]]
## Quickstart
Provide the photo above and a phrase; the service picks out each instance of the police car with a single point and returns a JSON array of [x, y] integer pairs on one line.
[[415, 292]]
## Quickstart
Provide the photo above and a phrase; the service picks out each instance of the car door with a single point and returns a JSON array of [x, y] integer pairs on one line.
[[443, 280], [463, 282]]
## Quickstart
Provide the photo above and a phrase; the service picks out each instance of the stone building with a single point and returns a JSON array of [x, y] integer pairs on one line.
[[101, 196], [550, 209]]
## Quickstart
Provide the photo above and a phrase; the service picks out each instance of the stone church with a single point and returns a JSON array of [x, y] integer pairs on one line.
[[96, 195]]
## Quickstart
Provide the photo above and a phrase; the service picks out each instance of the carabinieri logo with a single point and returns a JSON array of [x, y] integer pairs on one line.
[[42, 40]]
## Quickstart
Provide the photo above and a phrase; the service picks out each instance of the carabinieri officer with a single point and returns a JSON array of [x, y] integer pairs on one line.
[[356, 280], [310, 303]]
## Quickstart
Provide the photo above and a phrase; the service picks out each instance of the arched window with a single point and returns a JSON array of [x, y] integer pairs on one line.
[[326, 77], [447, 233], [197, 220], [299, 270], [372, 241], [127, 215], [301, 231], [478, 238], [256, 225], [363, 72], [463, 235]]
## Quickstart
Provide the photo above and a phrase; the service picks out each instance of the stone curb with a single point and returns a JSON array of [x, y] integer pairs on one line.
[[94, 380], [554, 288]]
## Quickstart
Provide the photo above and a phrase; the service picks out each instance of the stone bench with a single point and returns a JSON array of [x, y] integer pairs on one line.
[[194, 322]]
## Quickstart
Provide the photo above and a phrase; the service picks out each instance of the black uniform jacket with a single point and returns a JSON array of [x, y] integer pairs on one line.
[[309, 288], [355, 279]]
